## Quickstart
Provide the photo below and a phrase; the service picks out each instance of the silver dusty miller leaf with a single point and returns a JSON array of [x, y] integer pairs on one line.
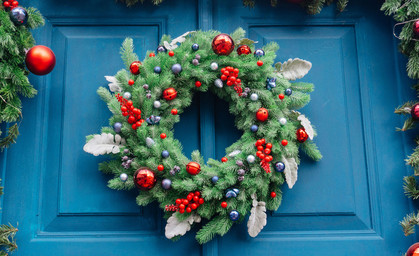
[[174, 227], [257, 218]]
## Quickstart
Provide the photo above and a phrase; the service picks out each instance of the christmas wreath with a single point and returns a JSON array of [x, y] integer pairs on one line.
[[146, 102]]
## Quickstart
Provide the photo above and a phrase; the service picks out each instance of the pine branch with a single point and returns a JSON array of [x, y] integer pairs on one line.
[[12, 134], [409, 222], [410, 187]]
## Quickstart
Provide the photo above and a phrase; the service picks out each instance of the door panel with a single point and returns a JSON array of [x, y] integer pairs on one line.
[[349, 203]]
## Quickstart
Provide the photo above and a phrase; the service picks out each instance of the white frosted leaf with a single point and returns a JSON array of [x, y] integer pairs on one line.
[[174, 44], [104, 143], [257, 218], [167, 45], [174, 227], [307, 126], [114, 85], [295, 68], [290, 171], [234, 153], [149, 141]]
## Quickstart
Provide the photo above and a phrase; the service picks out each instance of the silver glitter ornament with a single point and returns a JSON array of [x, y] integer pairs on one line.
[[214, 66], [127, 95], [218, 83], [283, 121], [156, 104], [254, 97]]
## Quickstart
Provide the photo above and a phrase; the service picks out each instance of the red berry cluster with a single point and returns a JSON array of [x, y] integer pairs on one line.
[[264, 154], [192, 202], [10, 4], [230, 74], [134, 114]]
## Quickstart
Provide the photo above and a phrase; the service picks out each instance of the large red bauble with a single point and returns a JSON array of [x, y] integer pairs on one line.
[[262, 114], [144, 179], [415, 111], [416, 28], [193, 168], [135, 67], [302, 135], [244, 49], [40, 60], [413, 250], [169, 94], [222, 44]]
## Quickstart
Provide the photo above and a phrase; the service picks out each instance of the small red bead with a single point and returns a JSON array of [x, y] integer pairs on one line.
[[267, 151], [224, 159], [131, 119], [131, 82], [281, 96], [259, 148], [181, 211], [178, 201], [201, 200], [189, 197], [129, 103], [152, 55], [198, 84], [134, 126], [6, 4], [224, 204], [15, 3], [160, 167], [197, 193], [223, 77], [262, 156], [267, 159], [263, 141], [196, 199], [181, 206], [258, 153], [188, 209], [124, 109], [268, 145], [171, 53], [138, 123], [185, 201], [273, 194], [124, 113], [223, 70], [259, 63], [174, 111], [284, 142], [194, 206], [163, 136]]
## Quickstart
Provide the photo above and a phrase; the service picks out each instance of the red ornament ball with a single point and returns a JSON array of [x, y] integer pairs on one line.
[[284, 142], [131, 82], [170, 94], [259, 63], [174, 111], [224, 159], [144, 179], [222, 44], [171, 53], [262, 114], [281, 96], [413, 250], [224, 204], [160, 167], [40, 60], [415, 111], [198, 84], [416, 28], [193, 168], [152, 55], [273, 194], [135, 67], [244, 49], [301, 135], [163, 136]]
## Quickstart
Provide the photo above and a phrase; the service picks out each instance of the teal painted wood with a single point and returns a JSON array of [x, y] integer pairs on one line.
[[347, 204]]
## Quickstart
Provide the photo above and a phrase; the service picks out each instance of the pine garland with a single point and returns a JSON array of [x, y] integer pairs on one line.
[[406, 12], [7, 234], [311, 6], [14, 40]]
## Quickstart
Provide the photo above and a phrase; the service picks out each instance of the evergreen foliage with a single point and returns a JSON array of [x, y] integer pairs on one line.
[[257, 181], [7, 234], [14, 41], [406, 12], [311, 6]]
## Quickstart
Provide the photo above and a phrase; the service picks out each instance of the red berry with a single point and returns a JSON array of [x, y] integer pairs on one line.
[[129, 103], [185, 201], [181, 206], [163, 136], [267, 158], [191, 194], [259, 63], [238, 81], [178, 201], [236, 71], [131, 82], [171, 53], [224, 204], [223, 70], [15, 3], [136, 111], [284, 142], [267, 151], [196, 198], [223, 77], [152, 54], [263, 141], [281, 96], [134, 126], [268, 145], [194, 206], [226, 73], [270, 158], [224, 159], [124, 113], [131, 119], [6, 4], [232, 79], [197, 193], [261, 156], [198, 84], [201, 200], [230, 69], [273, 194], [160, 167], [189, 197], [188, 209], [229, 83], [181, 211], [124, 109], [142, 121], [138, 123], [260, 148], [174, 111], [258, 153]]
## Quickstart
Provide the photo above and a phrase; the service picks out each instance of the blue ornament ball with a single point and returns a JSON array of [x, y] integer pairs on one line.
[[288, 92], [176, 68], [157, 69], [195, 47], [166, 184], [259, 53], [161, 48], [236, 190], [234, 215], [279, 166], [214, 179], [117, 127], [19, 16], [165, 154], [254, 128]]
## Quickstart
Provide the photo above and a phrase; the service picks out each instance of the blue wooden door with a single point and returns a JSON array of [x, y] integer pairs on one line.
[[347, 204]]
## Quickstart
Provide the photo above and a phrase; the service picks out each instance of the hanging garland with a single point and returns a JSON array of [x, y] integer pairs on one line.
[[311, 6], [146, 102], [406, 13]]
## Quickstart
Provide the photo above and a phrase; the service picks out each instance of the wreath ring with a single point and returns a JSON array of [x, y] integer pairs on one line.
[[146, 100]]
